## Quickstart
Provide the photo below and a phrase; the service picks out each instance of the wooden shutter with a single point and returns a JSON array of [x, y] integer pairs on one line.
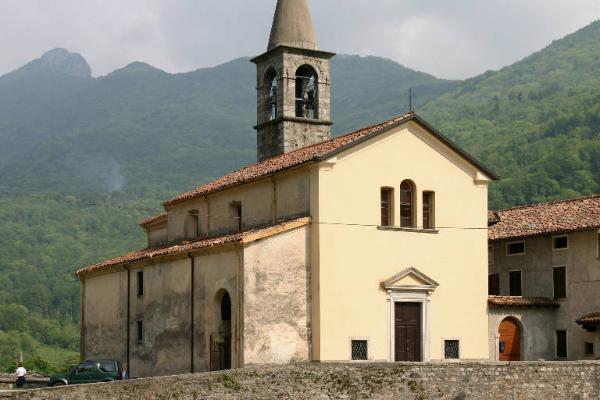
[[386, 207], [560, 282]]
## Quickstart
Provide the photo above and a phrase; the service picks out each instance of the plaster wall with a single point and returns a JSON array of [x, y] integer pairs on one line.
[[355, 256], [104, 317], [264, 202], [157, 236], [165, 311], [216, 272], [277, 299], [583, 283]]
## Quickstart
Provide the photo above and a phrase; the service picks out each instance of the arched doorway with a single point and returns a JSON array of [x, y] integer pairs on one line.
[[510, 340], [220, 346]]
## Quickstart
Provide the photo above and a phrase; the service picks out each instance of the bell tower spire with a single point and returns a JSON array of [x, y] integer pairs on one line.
[[293, 84]]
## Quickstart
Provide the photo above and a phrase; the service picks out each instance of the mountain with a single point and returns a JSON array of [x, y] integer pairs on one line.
[[537, 122]]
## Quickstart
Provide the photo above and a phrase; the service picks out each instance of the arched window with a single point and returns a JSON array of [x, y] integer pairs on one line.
[[307, 89], [407, 204], [226, 307], [271, 86]]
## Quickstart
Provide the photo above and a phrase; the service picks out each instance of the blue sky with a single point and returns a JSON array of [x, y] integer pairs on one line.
[[447, 38]]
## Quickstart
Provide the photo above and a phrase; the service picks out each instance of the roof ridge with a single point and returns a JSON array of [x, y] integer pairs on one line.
[[533, 205]]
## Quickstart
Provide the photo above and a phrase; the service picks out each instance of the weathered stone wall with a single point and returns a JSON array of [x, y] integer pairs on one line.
[[528, 381]]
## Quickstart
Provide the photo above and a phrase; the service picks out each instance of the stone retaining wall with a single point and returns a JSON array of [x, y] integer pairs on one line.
[[521, 381]]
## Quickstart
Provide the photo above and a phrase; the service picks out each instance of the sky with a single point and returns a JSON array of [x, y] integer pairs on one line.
[[453, 39]]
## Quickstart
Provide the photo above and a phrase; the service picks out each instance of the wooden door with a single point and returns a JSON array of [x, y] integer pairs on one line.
[[407, 331], [510, 340]]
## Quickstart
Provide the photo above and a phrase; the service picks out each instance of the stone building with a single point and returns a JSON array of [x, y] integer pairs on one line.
[[544, 281], [328, 249]]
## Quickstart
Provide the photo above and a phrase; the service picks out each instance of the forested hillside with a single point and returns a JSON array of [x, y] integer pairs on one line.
[[83, 159]]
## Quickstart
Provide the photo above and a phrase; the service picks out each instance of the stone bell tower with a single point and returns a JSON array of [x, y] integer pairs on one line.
[[293, 84]]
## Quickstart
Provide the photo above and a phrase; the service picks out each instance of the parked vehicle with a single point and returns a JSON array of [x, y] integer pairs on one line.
[[91, 371]]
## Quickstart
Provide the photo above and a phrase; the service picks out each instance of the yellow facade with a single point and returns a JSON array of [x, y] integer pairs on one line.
[[352, 255]]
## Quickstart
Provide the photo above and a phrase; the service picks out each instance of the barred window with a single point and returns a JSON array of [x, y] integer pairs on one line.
[[360, 350], [451, 349]]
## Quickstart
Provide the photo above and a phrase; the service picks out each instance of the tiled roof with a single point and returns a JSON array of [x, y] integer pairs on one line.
[[513, 301], [315, 152], [152, 220], [590, 319], [185, 247], [547, 219]]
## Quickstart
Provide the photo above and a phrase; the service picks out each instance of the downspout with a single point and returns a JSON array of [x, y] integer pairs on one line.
[[192, 291], [128, 320]]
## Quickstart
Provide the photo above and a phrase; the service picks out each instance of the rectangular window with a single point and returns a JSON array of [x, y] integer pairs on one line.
[[589, 349], [387, 206], [494, 284], [360, 350], [560, 282], [428, 210], [192, 225], [140, 283], [236, 215], [560, 243], [490, 255], [140, 331], [516, 288], [451, 349], [561, 344], [515, 248]]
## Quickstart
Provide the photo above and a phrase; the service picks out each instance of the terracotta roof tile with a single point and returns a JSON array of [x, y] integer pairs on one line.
[[547, 218], [152, 220], [512, 301], [185, 247], [590, 319], [285, 161]]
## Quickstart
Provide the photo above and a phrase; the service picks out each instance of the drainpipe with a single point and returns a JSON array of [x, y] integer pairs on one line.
[[128, 319], [192, 291]]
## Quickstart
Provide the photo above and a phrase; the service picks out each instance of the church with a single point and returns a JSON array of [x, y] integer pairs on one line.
[[370, 246]]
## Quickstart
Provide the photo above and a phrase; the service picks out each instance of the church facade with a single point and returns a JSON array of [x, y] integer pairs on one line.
[[371, 246]]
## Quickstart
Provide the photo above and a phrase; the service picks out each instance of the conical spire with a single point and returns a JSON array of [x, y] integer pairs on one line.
[[292, 26]]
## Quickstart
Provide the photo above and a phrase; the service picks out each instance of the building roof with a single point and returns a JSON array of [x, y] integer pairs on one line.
[[151, 220], [318, 152], [547, 219], [590, 319], [513, 301], [187, 247], [292, 26]]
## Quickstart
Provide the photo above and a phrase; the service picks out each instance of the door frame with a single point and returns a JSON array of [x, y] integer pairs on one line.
[[522, 337], [394, 297]]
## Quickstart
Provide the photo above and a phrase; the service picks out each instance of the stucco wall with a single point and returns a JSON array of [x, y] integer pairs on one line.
[[355, 257], [583, 284], [523, 381], [104, 333], [165, 311], [157, 236], [277, 299]]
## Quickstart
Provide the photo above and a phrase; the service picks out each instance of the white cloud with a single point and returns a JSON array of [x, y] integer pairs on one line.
[[451, 39]]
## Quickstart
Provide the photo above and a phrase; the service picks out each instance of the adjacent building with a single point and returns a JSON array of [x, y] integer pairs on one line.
[[544, 281], [368, 246]]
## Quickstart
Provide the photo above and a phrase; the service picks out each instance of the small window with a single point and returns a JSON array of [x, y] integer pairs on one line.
[[236, 215], [560, 282], [494, 284], [561, 344], [360, 350], [490, 255], [192, 225], [589, 349], [515, 248], [428, 210], [451, 349], [515, 283], [387, 195], [140, 331], [140, 283], [407, 202], [560, 243]]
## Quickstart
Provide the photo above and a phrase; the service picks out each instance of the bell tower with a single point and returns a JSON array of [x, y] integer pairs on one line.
[[293, 84]]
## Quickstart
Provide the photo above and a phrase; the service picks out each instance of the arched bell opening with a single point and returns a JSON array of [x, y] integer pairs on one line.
[[307, 92]]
